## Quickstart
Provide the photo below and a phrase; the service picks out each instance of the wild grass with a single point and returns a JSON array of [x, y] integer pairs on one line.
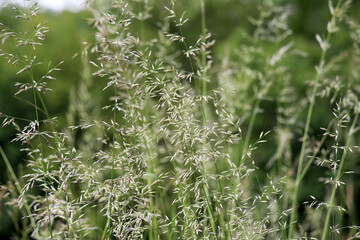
[[176, 153]]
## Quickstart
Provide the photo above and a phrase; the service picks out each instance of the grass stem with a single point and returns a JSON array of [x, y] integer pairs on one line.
[[337, 179], [306, 130]]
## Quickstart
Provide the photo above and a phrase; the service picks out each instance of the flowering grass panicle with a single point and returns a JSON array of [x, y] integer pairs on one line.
[[184, 141]]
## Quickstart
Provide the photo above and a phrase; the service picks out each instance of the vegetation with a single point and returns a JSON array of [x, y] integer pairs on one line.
[[171, 131]]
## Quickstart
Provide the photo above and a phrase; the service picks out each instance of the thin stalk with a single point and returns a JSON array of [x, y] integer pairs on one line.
[[210, 209], [44, 169], [29, 103], [187, 49], [306, 131], [280, 158], [153, 230], [249, 132], [162, 204], [312, 158], [223, 216], [337, 179], [203, 54], [41, 153], [3, 115], [142, 27], [263, 91], [303, 147], [17, 185], [184, 42], [173, 206], [208, 201], [112, 172], [204, 109]]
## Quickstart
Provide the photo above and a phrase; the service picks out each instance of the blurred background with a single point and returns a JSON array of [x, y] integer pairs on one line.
[[226, 20]]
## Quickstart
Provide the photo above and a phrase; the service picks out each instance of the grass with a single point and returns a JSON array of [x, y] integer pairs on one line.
[[319, 74], [186, 146]]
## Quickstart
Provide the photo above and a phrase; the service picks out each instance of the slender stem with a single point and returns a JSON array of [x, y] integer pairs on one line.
[[204, 108], [18, 186], [306, 130], [203, 54], [187, 49], [337, 179], [142, 27], [3, 115], [249, 132], [322, 141], [302, 152], [31, 104], [203, 60], [162, 204], [224, 216], [210, 208], [45, 169], [183, 39], [108, 222]]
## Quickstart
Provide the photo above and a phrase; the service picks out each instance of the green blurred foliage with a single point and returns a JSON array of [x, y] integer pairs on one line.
[[227, 20]]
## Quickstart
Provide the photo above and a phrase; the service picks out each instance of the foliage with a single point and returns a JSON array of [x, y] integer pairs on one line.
[[189, 138]]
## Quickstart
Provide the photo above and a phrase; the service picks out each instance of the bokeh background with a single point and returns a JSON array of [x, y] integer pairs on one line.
[[226, 20]]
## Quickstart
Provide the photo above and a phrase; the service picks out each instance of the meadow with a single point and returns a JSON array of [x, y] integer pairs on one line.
[[206, 119]]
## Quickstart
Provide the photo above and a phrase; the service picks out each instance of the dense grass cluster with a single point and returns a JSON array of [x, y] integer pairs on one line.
[[175, 153]]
